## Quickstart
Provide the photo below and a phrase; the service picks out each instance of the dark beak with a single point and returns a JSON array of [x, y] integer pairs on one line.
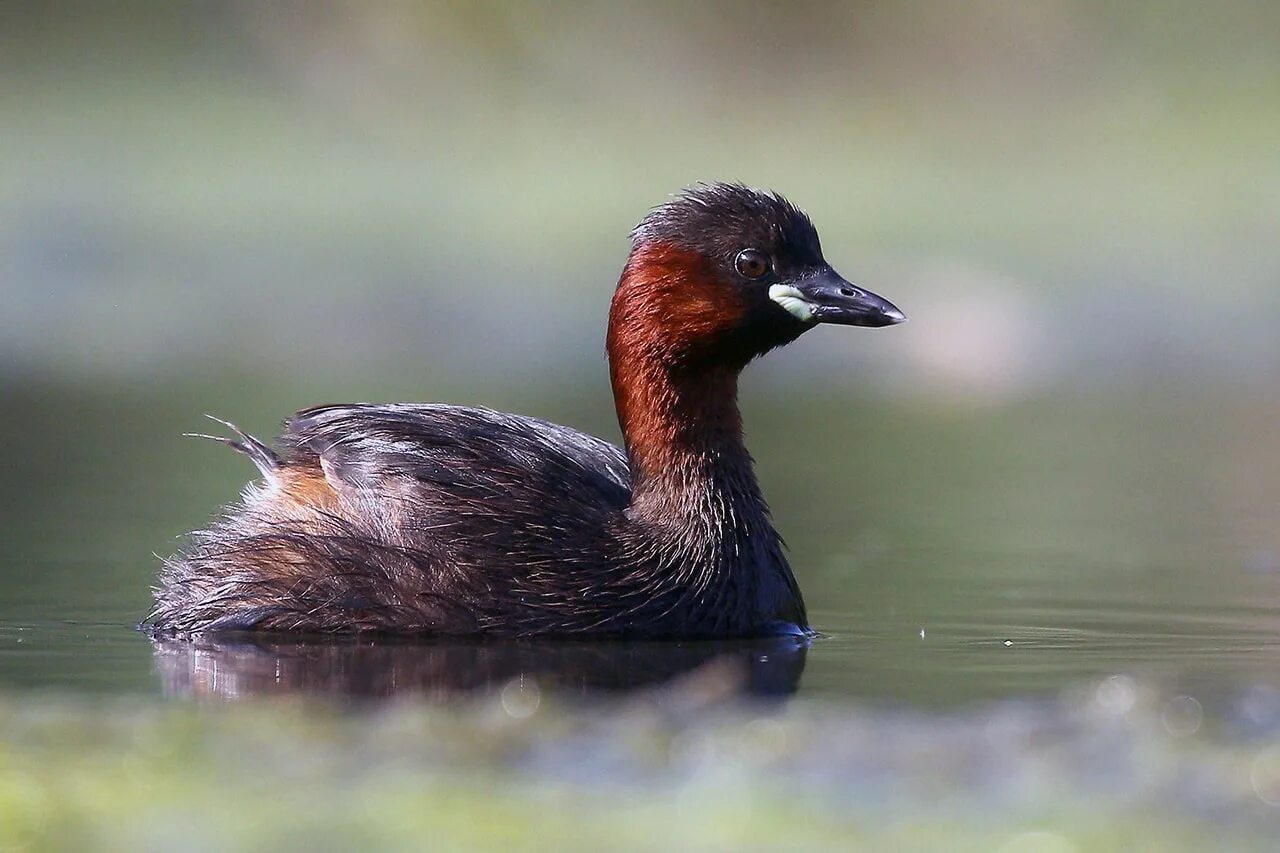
[[828, 298]]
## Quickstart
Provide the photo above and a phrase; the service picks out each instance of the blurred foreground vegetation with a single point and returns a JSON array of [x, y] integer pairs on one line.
[[1106, 770]]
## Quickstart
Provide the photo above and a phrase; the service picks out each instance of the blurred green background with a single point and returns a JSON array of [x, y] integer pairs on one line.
[[1060, 193]]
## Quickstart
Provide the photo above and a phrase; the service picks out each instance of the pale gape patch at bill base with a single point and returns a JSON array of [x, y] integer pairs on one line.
[[793, 301]]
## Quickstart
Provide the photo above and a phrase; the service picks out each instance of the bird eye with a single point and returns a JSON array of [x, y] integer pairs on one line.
[[752, 263]]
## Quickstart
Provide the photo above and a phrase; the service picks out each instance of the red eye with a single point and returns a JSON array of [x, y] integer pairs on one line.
[[752, 263]]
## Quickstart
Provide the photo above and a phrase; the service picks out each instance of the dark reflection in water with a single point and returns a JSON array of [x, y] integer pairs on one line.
[[231, 667]]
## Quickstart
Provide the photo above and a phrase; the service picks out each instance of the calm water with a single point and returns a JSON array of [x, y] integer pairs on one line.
[[949, 555]]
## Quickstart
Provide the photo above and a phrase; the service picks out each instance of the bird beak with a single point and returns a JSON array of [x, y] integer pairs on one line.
[[825, 297]]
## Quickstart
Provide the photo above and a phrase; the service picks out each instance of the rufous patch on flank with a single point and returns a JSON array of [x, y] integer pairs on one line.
[[306, 486]]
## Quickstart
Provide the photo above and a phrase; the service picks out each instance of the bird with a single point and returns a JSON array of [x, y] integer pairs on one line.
[[437, 519]]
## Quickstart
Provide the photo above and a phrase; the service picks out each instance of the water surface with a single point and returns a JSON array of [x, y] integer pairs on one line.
[[949, 554]]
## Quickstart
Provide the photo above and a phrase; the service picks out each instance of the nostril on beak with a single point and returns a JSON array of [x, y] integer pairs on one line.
[[848, 291]]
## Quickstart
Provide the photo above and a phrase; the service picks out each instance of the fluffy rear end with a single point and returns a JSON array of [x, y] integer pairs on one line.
[[286, 557], [254, 570]]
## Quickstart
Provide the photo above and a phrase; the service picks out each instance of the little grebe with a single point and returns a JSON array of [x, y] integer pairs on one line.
[[436, 519]]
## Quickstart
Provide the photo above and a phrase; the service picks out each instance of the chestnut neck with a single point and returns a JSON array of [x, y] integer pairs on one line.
[[674, 362], [676, 395]]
